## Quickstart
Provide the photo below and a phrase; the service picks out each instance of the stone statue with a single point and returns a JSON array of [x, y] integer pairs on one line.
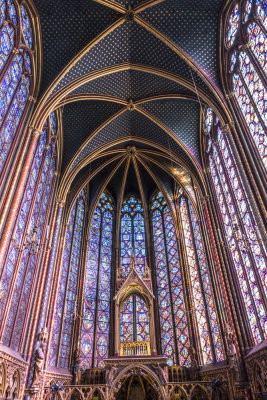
[[39, 356], [231, 350], [76, 369]]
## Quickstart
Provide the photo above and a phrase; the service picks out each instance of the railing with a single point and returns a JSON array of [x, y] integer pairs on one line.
[[135, 349]]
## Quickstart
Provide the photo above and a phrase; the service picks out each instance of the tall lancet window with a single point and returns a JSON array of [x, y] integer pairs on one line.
[[134, 320], [132, 235], [175, 341], [202, 303], [66, 302], [16, 72], [246, 46], [29, 237], [241, 232], [96, 308]]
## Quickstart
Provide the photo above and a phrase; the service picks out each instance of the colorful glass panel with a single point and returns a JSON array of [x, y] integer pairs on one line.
[[28, 262], [254, 85], [252, 120], [53, 122], [103, 315], [2, 12], [229, 213], [261, 12], [171, 303], [134, 320], [26, 26], [258, 44], [132, 235], [203, 269], [248, 75], [253, 237], [18, 232], [232, 27], [197, 295], [127, 321], [60, 301], [70, 297], [142, 321], [247, 10], [7, 37], [12, 12], [96, 307], [208, 120]]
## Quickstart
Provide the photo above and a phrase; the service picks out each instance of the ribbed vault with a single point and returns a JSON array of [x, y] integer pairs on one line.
[[129, 70]]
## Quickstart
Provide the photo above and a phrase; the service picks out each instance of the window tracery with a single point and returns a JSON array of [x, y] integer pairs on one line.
[[134, 320], [96, 308], [132, 235], [28, 240], [246, 43], [243, 238], [202, 298], [15, 72], [66, 302], [171, 301]]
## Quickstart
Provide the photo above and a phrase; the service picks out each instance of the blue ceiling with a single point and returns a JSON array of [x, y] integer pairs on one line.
[[68, 26], [131, 84]]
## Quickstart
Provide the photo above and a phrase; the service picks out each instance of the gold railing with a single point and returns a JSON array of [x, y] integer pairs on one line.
[[135, 349]]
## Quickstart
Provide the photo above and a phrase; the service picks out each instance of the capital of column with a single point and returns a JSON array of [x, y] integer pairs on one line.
[[229, 95], [226, 128], [35, 132], [32, 99], [60, 203]]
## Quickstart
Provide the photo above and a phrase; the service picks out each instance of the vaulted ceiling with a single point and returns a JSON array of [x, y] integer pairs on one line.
[[129, 70]]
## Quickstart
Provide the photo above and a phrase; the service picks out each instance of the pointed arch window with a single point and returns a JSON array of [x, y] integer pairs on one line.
[[66, 302], [202, 302], [241, 232], [28, 240], [17, 51], [246, 48], [133, 234], [175, 340], [134, 320], [96, 314]]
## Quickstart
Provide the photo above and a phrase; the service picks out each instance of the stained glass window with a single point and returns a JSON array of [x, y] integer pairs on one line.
[[132, 234], [202, 299], [248, 67], [66, 302], [28, 239], [134, 320], [175, 341], [16, 81], [241, 232], [96, 308]]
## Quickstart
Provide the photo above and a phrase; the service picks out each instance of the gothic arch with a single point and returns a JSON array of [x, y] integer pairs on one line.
[[199, 393], [143, 369]]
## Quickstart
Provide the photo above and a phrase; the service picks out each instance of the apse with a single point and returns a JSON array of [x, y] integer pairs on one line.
[[133, 199]]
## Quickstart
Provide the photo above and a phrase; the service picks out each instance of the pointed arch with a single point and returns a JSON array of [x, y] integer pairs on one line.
[[65, 312], [21, 261], [175, 339], [240, 229], [133, 235], [244, 37], [207, 334], [94, 340], [20, 62]]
